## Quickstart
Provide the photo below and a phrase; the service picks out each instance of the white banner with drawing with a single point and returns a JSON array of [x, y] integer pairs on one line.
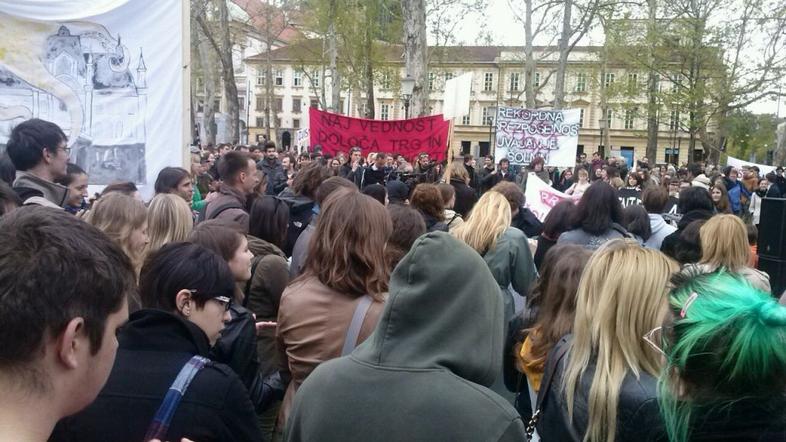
[[523, 134], [113, 82], [540, 197]]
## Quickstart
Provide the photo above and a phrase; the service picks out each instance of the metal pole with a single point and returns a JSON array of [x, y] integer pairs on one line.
[[406, 108]]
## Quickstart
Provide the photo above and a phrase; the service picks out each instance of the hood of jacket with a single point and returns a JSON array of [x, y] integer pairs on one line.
[[157, 330], [693, 215], [52, 192], [260, 247], [439, 316]]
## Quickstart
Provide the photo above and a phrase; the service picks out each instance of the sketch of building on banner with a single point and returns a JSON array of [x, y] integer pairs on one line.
[[86, 81]]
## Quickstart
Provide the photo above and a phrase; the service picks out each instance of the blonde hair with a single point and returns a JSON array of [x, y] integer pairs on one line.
[[456, 169], [486, 223], [118, 215], [618, 302], [169, 219], [616, 182], [724, 243]]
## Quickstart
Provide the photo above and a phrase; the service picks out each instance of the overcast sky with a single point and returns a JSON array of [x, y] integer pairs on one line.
[[501, 24]]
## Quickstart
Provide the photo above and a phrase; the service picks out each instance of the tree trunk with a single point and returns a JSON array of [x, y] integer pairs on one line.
[[652, 86], [369, 66], [562, 65], [416, 53], [335, 78], [228, 72], [208, 69], [269, 124], [529, 58]]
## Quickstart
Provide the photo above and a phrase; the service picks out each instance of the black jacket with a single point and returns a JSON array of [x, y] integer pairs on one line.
[[154, 346], [276, 177], [424, 374], [492, 179], [433, 224], [301, 210], [466, 197], [527, 222], [638, 415], [369, 175], [675, 247], [473, 176]]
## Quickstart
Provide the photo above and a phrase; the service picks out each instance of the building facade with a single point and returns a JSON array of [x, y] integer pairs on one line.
[[498, 80]]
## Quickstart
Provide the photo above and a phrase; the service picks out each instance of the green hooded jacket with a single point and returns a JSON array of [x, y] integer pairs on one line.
[[423, 375]]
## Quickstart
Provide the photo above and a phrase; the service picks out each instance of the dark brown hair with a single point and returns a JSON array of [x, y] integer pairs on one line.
[[124, 187], [231, 165], [330, 185], [447, 191], [408, 226], [428, 199], [655, 199], [309, 178], [347, 250], [512, 192], [222, 237], [555, 294]]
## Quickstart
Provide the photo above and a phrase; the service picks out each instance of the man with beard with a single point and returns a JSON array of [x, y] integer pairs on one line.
[[271, 166]]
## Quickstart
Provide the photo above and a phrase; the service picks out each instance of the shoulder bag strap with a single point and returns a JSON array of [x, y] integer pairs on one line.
[[353, 332], [163, 417], [545, 385], [247, 290]]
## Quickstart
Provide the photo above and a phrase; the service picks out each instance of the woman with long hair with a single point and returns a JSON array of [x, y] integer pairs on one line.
[[724, 244], [123, 219], [604, 385], [457, 176], [345, 276], [169, 219], [452, 218], [175, 180], [597, 219], [428, 200], [724, 343], [556, 223], [720, 198]]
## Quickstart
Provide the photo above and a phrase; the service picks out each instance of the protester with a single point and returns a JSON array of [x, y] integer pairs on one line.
[[603, 384], [523, 218], [169, 219], [127, 188], [197, 169], [350, 169], [501, 174], [597, 218], [175, 180], [408, 226], [300, 199], [63, 289], [774, 190], [695, 205], [39, 151], [579, 187], [553, 297], [724, 244], [271, 166], [300, 250], [408, 360], [345, 272], [124, 220], [76, 182], [655, 199], [753, 239], [558, 221], [723, 343], [428, 200], [537, 166], [186, 291], [457, 176], [398, 192], [238, 175], [469, 166], [720, 198], [452, 219], [9, 200], [484, 172], [565, 182], [374, 173], [424, 170], [378, 192], [736, 191]]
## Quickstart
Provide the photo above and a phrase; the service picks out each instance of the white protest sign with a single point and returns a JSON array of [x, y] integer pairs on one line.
[[302, 138], [455, 102], [540, 197], [738, 163], [523, 134]]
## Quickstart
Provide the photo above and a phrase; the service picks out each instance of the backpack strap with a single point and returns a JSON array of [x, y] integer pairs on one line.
[[353, 332], [247, 289], [226, 206], [160, 425]]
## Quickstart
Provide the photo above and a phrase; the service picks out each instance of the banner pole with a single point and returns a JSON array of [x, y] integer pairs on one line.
[[448, 155]]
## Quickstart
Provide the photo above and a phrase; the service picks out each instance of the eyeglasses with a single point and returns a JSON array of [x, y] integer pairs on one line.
[[225, 301], [653, 336]]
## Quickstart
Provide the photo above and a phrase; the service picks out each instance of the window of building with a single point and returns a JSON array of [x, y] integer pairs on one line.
[[260, 77], [295, 123], [537, 79], [608, 80], [384, 112], [217, 104], [672, 155], [279, 77], [629, 119], [633, 82], [260, 103], [314, 103], [200, 84], [296, 105], [466, 119], [431, 77], [315, 78], [488, 116], [297, 79], [488, 82], [609, 118], [386, 80], [675, 85], [515, 77], [581, 117], [674, 120], [278, 104], [260, 122], [278, 122], [448, 76], [241, 102], [581, 82]]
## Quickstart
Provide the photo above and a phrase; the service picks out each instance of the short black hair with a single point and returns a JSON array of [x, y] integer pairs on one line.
[[268, 220], [637, 221], [29, 138], [694, 198], [8, 197], [55, 267], [169, 178], [231, 164], [72, 170], [504, 160], [178, 266], [559, 219], [376, 191], [7, 169], [695, 169], [270, 145], [598, 208]]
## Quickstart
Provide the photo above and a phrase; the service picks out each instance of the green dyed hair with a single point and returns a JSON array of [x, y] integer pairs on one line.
[[730, 345]]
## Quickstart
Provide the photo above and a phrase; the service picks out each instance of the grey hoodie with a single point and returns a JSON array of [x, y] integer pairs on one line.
[[423, 375]]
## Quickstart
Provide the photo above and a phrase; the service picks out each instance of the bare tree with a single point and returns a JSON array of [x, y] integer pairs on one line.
[[416, 52], [570, 35]]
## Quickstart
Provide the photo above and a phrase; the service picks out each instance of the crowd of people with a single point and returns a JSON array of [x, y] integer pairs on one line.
[[262, 295]]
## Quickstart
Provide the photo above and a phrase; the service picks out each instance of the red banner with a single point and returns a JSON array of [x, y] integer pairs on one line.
[[338, 133]]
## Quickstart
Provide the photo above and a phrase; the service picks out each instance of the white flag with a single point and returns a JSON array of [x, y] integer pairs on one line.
[[455, 102]]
